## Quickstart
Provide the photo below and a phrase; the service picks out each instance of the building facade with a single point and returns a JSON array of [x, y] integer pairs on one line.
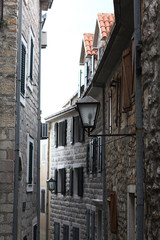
[[20, 44]]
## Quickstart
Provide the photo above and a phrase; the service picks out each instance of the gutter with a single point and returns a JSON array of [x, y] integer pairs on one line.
[[17, 127], [39, 125], [105, 233], [139, 133]]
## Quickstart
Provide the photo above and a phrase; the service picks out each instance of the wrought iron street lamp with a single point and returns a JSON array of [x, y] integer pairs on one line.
[[51, 184], [88, 109]]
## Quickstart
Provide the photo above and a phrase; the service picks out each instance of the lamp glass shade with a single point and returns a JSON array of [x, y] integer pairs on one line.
[[51, 183], [88, 109], [88, 114]]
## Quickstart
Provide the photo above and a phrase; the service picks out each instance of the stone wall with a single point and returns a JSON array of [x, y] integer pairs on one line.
[[28, 119], [67, 209], [8, 58], [151, 115]]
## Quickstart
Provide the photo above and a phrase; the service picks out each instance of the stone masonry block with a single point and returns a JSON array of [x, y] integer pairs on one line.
[[6, 166]]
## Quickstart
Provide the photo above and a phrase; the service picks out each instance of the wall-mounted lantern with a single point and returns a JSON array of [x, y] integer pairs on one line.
[[51, 184]]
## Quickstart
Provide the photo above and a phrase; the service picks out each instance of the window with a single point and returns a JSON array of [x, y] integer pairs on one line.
[[60, 133], [23, 66], [131, 213], [92, 63], [60, 177], [113, 213], [35, 232], [91, 157], [90, 224], [79, 83], [76, 130], [44, 152], [76, 181], [99, 227], [110, 112], [128, 81], [75, 233], [99, 154], [31, 56], [30, 163], [1, 10], [85, 75], [65, 232], [56, 231], [43, 201]]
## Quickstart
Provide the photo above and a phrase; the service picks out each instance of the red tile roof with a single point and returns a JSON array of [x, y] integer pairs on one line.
[[88, 43], [106, 21]]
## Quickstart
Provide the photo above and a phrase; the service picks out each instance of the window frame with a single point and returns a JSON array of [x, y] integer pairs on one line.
[[30, 185], [31, 61], [22, 95]]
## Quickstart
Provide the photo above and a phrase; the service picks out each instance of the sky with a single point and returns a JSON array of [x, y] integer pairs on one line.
[[66, 22]]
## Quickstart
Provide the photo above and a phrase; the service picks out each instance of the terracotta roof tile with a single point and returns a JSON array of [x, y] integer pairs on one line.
[[106, 21], [88, 43]]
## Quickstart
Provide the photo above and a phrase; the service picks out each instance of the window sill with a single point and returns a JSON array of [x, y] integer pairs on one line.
[[29, 188], [22, 100], [30, 85]]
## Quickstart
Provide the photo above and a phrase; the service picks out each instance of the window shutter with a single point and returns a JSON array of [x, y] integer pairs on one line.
[[72, 130], [87, 158], [110, 112], [31, 60], [93, 61], [56, 231], [56, 178], [91, 156], [118, 101], [35, 232], [99, 154], [80, 181], [99, 52], [63, 181], [80, 131], [113, 213], [75, 233], [65, 232], [56, 135], [85, 75], [79, 83], [23, 68], [30, 162], [64, 132], [71, 182], [43, 201], [127, 85], [88, 223], [94, 155], [92, 225]]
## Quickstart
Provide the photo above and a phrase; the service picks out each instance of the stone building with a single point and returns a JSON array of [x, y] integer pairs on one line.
[[20, 47]]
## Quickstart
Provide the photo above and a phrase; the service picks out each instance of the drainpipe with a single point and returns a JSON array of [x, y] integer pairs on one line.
[[105, 237], [39, 126], [138, 103], [17, 127]]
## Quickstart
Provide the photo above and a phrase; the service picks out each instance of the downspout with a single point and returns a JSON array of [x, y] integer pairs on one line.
[[105, 237], [17, 127], [138, 103], [39, 126]]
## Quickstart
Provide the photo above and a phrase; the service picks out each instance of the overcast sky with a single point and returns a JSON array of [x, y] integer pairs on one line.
[[66, 22]]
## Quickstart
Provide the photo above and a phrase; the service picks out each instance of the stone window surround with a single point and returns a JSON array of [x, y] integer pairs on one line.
[[30, 82], [22, 97], [30, 186]]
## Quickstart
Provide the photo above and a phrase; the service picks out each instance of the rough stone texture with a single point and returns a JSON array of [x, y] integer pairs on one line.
[[151, 115], [28, 118]]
